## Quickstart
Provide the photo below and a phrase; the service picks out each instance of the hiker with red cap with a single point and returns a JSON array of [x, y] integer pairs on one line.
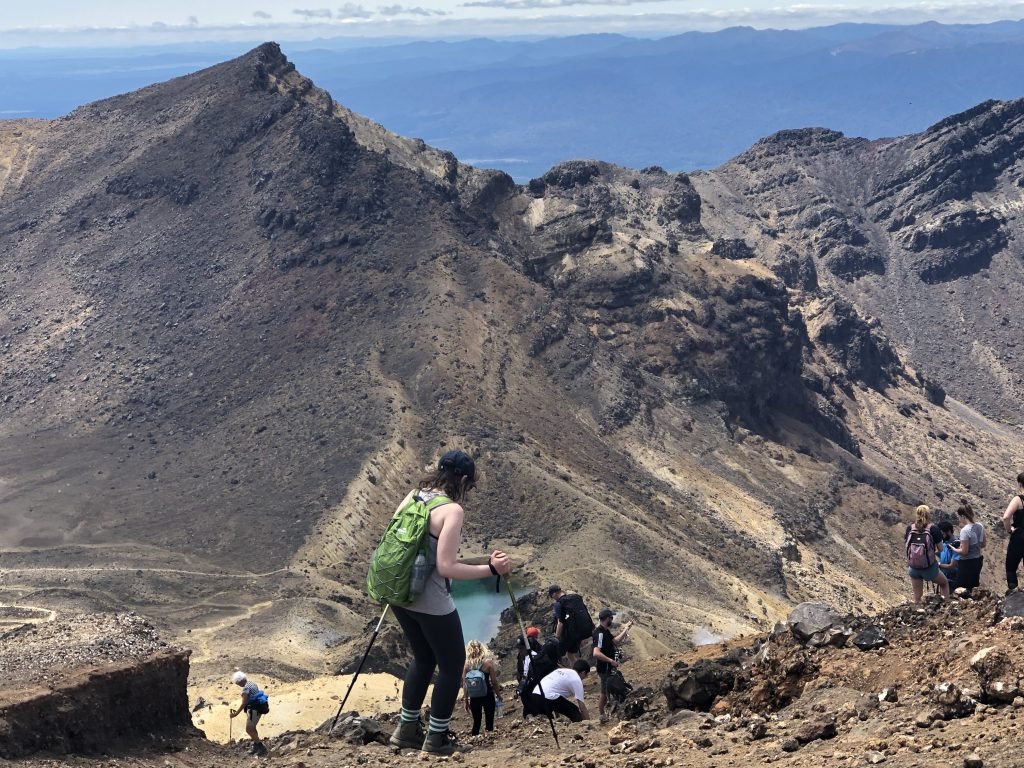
[[431, 623], [523, 652]]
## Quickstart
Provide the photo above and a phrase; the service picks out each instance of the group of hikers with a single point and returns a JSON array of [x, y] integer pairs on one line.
[[951, 558], [417, 558], [414, 580]]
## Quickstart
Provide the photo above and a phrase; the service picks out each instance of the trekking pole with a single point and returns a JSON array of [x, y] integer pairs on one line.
[[231, 721], [359, 668], [526, 642]]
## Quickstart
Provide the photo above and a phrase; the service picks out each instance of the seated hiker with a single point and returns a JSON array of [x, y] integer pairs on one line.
[[949, 558], [922, 541], [254, 704], [605, 651], [480, 684], [558, 687]]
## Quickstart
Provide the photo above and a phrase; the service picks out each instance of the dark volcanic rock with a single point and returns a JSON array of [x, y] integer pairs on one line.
[[698, 686], [809, 619], [870, 638]]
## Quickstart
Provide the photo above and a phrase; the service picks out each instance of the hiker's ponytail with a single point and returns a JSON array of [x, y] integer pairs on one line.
[[922, 516], [964, 510]]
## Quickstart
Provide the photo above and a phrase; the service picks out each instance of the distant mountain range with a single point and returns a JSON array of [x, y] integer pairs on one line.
[[684, 102]]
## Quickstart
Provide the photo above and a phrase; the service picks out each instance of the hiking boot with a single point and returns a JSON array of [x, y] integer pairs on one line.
[[440, 743], [408, 735], [260, 749]]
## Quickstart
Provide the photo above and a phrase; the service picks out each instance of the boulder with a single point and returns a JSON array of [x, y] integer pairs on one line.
[[1013, 605], [808, 619], [952, 703], [821, 728], [697, 686], [871, 638]]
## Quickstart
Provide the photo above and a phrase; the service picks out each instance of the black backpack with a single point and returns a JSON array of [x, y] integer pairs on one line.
[[576, 618], [542, 663]]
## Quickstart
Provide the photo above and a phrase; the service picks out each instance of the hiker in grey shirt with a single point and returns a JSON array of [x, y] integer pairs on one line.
[[972, 541]]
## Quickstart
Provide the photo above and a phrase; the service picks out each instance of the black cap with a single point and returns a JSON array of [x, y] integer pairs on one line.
[[554, 589], [606, 613], [459, 462]]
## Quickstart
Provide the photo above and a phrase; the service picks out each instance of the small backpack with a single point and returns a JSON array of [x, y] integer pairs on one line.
[[920, 549], [542, 664], [577, 620], [390, 577], [260, 703], [476, 683]]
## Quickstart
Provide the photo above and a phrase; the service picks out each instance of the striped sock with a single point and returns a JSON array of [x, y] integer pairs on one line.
[[410, 715], [437, 725]]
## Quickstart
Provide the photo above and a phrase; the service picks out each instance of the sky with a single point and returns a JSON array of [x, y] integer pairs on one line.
[[113, 22]]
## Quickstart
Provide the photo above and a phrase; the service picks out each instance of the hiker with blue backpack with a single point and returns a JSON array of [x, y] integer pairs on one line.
[[922, 539], [411, 573], [255, 704], [480, 684]]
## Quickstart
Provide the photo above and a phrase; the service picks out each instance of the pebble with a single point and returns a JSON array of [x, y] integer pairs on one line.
[[973, 761]]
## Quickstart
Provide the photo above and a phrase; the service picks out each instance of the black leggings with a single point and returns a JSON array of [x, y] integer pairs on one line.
[[969, 573], [1014, 555], [482, 705], [436, 642]]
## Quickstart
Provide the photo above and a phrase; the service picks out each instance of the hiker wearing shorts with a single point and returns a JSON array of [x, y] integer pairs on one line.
[[431, 623], [249, 693], [969, 546], [559, 686], [569, 648], [605, 651], [1013, 524], [921, 573], [478, 656]]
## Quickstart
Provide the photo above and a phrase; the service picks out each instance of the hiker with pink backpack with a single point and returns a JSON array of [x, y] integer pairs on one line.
[[923, 539]]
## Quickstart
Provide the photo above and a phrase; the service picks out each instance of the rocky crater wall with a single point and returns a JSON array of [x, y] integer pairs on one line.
[[90, 710]]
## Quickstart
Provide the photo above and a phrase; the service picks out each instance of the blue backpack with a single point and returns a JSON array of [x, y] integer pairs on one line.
[[260, 703], [476, 683]]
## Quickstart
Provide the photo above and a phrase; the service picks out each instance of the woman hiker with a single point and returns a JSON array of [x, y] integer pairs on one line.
[[971, 542], [917, 533], [250, 692], [479, 657], [1013, 523], [431, 623]]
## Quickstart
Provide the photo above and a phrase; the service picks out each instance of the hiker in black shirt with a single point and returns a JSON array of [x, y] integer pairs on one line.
[[605, 652], [1013, 523]]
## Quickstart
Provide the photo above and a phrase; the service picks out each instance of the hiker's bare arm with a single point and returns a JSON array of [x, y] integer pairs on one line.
[[558, 630], [583, 710], [962, 550], [1012, 507], [600, 656], [625, 630], [492, 673], [450, 517]]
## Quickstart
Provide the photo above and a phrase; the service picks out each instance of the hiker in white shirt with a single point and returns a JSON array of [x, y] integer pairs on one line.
[[559, 687]]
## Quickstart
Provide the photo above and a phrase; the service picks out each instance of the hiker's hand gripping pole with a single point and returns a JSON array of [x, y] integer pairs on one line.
[[359, 668], [526, 644]]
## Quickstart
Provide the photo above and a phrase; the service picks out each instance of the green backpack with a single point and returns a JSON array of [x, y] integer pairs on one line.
[[390, 579]]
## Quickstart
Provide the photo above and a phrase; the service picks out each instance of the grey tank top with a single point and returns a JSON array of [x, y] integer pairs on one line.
[[436, 600]]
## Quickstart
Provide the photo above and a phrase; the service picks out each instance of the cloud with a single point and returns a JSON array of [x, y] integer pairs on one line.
[[401, 10], [192, 21], [353, 11], [521, 5], [314, 13], [262, 15]]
